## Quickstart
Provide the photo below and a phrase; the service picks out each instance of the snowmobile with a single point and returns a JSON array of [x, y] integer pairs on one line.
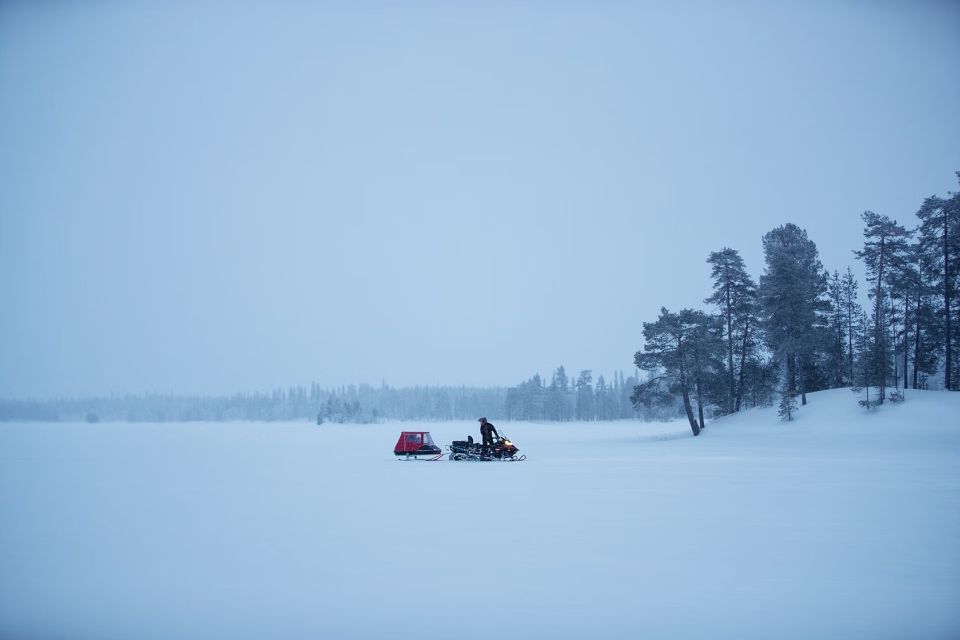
[[414, 445], [501, 449]]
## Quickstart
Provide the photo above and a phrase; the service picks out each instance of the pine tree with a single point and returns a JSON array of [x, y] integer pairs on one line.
[[761, 378], [684, 351], [864, 372], [527, 401], [940, 244], [705, 346], [927, 334], [835, 347], [602, 399], [557, 392], [910, 294], [884, 254], [790, 293], [851, 314], [734, 294], [585, 395]]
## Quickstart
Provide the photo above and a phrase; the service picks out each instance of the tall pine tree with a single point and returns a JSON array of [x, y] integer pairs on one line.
[[791, 291], [940, 244], [836, 337], [683, 351], [851, 315], [734, 294], [884, 254]]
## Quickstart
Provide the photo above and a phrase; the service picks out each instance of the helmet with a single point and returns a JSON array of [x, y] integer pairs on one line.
[[482, 420]]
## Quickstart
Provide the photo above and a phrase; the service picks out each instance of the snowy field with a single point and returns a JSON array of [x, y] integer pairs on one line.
[[839, 525]]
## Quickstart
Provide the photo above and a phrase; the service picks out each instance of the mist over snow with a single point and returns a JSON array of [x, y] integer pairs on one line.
[[841, 524], [208, 197]]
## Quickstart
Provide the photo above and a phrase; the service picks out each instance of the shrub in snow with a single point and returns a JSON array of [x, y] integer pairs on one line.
[[788, 406]]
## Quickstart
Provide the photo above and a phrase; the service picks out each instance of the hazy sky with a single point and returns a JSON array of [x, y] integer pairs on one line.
[[215, 197]]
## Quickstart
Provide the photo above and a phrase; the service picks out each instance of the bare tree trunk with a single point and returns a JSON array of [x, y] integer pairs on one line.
[[699, 399], [801, 367], [795, 377], [948, 329], [688, 408], [729, 348], [850, 338], [878, 327], [743, 362], [916, 344], [838, 318], [906, 339]]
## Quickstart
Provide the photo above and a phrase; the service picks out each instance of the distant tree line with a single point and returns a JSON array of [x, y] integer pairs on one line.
[[565, 399], [352, 403], [801, 328]]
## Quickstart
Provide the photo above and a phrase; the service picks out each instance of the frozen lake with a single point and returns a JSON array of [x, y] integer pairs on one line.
[[839, 525]]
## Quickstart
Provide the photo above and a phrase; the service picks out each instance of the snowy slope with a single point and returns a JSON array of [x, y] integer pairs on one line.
[[838, 525]]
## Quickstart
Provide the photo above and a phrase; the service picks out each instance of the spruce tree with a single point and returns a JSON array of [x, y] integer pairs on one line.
[[788, 404]]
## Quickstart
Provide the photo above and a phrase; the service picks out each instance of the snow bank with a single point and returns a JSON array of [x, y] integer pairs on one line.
[[841, 524]]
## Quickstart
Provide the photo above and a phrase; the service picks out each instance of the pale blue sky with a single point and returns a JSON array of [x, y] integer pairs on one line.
[[211, 197]]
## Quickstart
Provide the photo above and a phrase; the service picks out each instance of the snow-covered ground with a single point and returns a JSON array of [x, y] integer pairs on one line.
[[838, 525]]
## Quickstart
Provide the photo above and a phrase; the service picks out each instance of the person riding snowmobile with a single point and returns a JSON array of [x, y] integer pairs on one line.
[[487, 431]]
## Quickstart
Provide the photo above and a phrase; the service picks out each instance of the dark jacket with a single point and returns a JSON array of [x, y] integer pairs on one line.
[[486, 429]]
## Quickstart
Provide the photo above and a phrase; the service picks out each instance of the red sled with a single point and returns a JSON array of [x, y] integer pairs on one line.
[[414, 445]]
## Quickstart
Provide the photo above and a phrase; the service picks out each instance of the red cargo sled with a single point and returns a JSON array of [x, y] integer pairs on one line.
[[414, 445]]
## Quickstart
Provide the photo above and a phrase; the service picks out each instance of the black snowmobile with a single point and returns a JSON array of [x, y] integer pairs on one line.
[[501, 449]]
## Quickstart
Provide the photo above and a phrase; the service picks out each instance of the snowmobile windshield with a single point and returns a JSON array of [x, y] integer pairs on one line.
[[427, 438]]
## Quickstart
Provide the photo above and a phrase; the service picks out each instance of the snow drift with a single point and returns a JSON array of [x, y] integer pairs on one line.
[[841, 524]]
